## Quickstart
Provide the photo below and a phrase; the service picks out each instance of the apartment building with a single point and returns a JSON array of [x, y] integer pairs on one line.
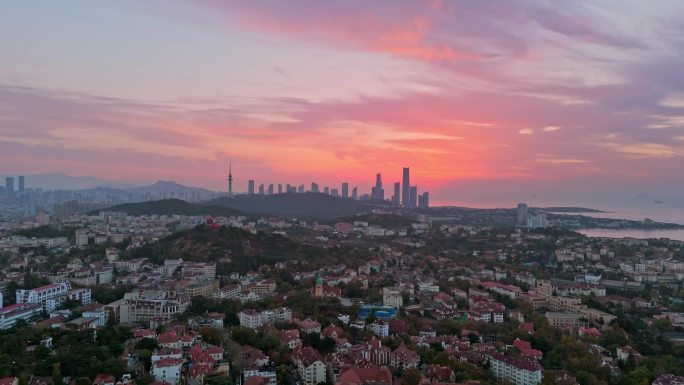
[[514, 370], [392, 297], [53, 295], [12, 314], [142, 306], [310, 366]]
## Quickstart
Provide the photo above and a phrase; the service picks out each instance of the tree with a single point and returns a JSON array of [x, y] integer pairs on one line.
[[211, 335], [145, 379], [147, 343], [57, 378], [83, 381], [411, 376], [217, 379]]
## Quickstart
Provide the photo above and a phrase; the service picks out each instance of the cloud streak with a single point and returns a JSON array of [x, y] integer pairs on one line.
[[518, 91]]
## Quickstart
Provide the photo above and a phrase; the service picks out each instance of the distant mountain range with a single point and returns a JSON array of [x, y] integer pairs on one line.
[[169, 188], [58, 181], [309, 206], [172, 207]]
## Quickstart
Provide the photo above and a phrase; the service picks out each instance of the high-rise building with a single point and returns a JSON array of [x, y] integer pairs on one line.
[[413, 196], [261, 189], [270, 189], [9, 185], [378, 192], [406, 189], [326, 190], [21, 184], [424, 200], [250, 187], [396, 198], [280, 188], [522, 214], [66, 209], [537, 220], [355, 194], [335, 192], [345, 190], [301, 189], [314, 187]]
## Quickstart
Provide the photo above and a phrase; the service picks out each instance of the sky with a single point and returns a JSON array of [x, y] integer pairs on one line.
[[486, 101]]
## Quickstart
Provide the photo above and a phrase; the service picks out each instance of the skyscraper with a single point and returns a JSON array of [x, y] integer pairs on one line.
[[9, 185], [326, 190], [345, 190], [378, 192], [424, 200], [230, 179], [301, 189], [261, 189], [522, 214], [21, 184], [355, 194], [396, 198], [250, 187], [413, 195], [314, 187], [280, 188], [270, 189], [406, 189]]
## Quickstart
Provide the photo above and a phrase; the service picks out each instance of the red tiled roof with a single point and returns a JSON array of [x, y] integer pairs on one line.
[[404, 354], [8, 380], [256, 380], [167, 338], [358, 376], [331, 330], [307, 356], [530, 366], [166, 362]]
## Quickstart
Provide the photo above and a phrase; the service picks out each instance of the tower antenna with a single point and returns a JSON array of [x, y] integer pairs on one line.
[[230, 179]]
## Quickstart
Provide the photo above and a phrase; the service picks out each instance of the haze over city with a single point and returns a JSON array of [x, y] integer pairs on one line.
[[487, 101], [342, 192]]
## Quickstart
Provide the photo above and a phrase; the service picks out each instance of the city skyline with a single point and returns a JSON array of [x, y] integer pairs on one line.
[[488, 100], [413, 199]]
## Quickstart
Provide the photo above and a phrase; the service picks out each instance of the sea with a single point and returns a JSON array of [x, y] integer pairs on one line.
[[657, 212], [669, 212]]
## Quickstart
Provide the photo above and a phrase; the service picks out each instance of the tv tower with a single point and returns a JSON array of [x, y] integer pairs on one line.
[[230, 179]]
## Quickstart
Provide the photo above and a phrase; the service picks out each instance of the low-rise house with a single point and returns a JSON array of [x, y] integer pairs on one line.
[[365, 376], [168, 370], [404, 358]]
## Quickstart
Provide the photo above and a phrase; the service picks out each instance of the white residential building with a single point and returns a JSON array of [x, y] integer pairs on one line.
[[167, 370], [141, 306], [514, 370], [380, 328], [53, 295], [20, 312], [310, 366], [392, 297], [252, 319]]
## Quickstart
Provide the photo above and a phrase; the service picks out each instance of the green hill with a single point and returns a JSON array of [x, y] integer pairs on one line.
[[310, 206], [172, 207], [246, 250]]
